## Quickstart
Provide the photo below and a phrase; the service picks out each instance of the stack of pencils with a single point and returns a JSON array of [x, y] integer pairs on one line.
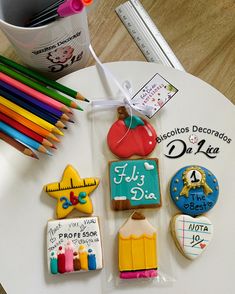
[[59, 8], [32, 111]]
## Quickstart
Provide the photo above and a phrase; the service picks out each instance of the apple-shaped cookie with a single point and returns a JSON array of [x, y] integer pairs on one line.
[[131, 135]]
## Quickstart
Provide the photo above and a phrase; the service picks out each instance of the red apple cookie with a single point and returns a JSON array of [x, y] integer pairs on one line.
[[131, 135]]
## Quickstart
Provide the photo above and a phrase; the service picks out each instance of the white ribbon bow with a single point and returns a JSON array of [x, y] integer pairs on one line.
[[126, 91]]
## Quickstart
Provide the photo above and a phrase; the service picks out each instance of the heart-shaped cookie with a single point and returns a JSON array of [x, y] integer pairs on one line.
[[192, 235]]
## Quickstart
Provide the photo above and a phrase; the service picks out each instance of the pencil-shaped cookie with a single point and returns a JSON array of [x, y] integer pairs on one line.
[[137, 248]]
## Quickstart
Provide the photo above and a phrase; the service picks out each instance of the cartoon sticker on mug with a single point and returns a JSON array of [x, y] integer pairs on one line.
[[61, 55]]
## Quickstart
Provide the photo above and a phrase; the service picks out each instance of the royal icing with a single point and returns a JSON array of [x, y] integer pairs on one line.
[[194, 190], [134, 183], [131, 135], [192, 235], [137, 248], [74, 245], [72, 192]]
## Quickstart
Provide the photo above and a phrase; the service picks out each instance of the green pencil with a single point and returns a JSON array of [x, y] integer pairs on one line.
[[33, 74], [39, 87]]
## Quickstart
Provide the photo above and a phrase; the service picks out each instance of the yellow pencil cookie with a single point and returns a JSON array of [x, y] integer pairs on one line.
[[72, 192]]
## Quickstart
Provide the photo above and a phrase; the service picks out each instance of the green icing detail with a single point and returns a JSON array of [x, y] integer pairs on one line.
[[170, 88], [53, 264], [133, 122]]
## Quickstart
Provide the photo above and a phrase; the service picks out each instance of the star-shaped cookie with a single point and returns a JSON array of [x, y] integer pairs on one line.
[[72, 192]]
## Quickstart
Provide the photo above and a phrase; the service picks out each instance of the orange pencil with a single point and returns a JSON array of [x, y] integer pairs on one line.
[[26, 131], [31, 125], [27, 114]]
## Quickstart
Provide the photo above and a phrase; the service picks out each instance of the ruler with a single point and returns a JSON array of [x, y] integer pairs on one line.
[[146, 35]]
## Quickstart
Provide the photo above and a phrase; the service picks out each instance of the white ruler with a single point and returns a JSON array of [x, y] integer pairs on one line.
[[146, 35]]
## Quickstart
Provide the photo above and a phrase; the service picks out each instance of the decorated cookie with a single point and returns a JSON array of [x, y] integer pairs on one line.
[[134, 184], [72, 192], [137, 248], [194, 190], [191, 235], [74, 245], [131, 135]]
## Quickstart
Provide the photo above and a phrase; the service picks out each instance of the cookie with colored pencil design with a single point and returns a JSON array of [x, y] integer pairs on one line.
[[194, 190], [74, 245], [137, 248], [72, 192], [192, 235]]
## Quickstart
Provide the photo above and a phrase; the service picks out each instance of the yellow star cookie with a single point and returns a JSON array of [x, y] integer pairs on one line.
[[72, 192]]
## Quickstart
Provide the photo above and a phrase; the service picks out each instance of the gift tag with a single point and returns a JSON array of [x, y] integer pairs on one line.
[[153, 96]]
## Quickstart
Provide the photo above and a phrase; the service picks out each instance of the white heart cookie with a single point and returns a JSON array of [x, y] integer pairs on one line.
[[191, 234]]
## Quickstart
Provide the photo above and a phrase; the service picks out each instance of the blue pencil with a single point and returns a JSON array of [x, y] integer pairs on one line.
[[22, 138], [31, 100], [39, 113]]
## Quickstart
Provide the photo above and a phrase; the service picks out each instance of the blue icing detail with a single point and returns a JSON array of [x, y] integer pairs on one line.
[[200, 199], [133, 122], [136, 181], [91, 260], [66, 203], [81, 197]]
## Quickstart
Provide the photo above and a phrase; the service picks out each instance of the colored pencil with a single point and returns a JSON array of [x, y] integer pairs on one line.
[[39, 87], [31, 125], [34, 93], [33, 74], [48, 8], [64, 9], [17, 145], [26, 131], [22, 138], [32, 109], [34, 102], [39, 121]]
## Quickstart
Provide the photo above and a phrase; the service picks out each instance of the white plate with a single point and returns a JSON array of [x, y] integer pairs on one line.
[[25, 209]]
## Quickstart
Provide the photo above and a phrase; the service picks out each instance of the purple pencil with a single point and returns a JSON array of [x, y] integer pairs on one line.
[[38, 104]]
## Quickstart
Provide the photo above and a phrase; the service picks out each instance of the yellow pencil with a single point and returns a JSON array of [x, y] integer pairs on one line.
[[37, 120]]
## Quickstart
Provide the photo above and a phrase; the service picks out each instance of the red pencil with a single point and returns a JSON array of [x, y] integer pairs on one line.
[[26, 131]]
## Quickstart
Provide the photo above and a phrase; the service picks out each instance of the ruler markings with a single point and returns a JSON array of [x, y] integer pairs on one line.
[[146, 35]]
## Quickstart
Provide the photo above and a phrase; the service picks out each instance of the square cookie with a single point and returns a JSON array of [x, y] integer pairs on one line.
[[74, 245], [134, 184]]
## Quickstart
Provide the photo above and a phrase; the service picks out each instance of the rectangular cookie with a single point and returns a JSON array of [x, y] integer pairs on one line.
[[134, 184], [74, 245]]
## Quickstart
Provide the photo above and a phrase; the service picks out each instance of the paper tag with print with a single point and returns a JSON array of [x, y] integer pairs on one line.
[[153, 96]]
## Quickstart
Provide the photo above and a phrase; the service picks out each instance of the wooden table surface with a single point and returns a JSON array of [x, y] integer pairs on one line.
[[201, 34]]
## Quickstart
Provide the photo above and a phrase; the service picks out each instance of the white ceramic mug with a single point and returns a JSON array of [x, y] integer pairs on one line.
[[55, 49]]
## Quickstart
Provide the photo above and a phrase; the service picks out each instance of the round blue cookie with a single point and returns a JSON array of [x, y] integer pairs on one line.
[[194, 190]]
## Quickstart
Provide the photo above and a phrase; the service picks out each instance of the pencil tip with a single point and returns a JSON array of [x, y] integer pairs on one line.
[[86, 100], [65, 128], [49, 153], [71, 121], [54, 147]]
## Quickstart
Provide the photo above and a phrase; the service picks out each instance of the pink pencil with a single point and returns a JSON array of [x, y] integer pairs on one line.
[[34, 93]]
